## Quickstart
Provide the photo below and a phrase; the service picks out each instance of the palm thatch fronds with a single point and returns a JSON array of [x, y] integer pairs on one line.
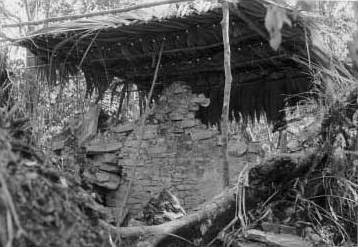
[[127, 47]]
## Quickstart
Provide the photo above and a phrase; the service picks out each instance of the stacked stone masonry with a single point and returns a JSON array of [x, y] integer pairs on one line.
[[178, 153]]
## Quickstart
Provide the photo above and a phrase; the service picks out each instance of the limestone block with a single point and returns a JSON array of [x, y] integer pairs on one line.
[[109, 158], [160, 140], [237, 148], [183, 108], [122, 155], [150, 132], [184, 187], [156, 149], [124, 162], [158, 155], [144, 182], [103, 147], [131, 143], [128, 162], [184, 101], [193, 107], [102, 176], [198, 135], [187, 123], [190, 115], [201, 100], [110, 168], [107, 180], [178, 130], [89, 125], [176, 116], [164, 110], [255, 148], [147, 135], [128, 127], [151, 127], [103, 179]]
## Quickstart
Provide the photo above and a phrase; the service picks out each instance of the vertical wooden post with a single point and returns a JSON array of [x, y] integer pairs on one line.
[[227, 90]]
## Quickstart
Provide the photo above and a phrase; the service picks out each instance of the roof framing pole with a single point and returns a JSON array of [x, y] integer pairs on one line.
[[105, 12], [227, 92]]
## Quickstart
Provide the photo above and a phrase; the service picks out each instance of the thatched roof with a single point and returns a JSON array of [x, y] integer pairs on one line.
[[193, 52]]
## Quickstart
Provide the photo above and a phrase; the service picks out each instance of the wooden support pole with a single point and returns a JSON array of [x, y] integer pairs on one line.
[[227, 91]]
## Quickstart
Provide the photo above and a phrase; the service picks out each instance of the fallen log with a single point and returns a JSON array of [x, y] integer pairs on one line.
[[207, 220], [203, 222]]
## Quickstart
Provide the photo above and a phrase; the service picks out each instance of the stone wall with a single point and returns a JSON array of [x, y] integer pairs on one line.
[[178, 153]]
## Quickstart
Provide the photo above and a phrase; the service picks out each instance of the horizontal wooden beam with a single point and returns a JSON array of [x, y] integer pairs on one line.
[[203, 68]]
